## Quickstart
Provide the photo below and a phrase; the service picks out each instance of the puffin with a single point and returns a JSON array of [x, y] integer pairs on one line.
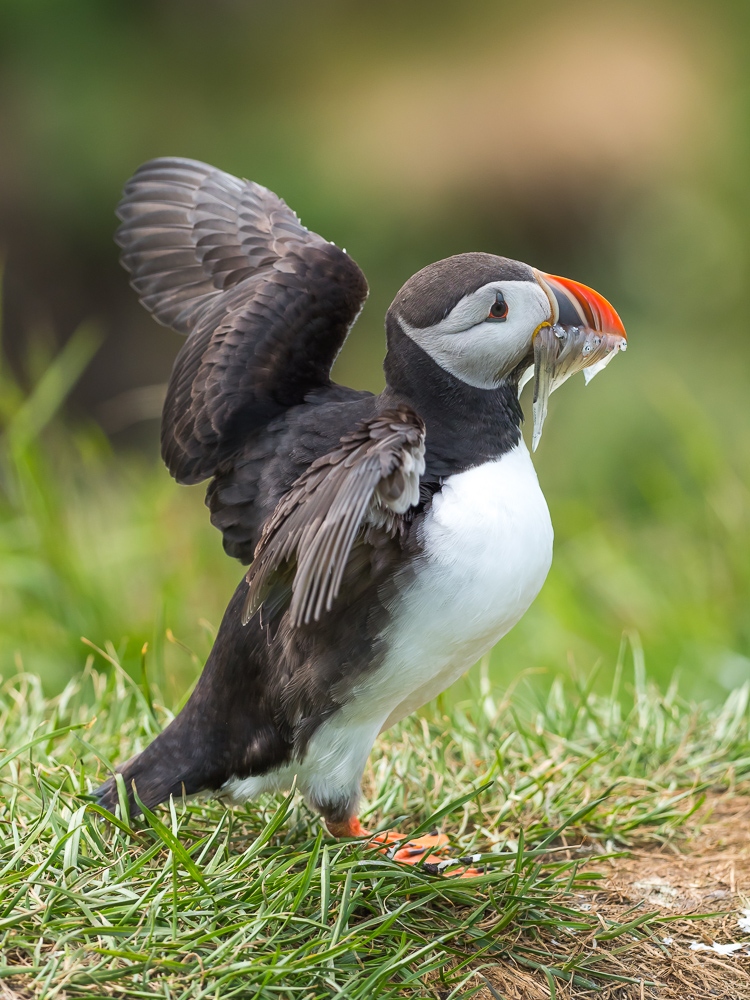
[[391, 539]]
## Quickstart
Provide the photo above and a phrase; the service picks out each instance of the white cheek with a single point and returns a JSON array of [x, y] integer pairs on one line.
[[484, 354]]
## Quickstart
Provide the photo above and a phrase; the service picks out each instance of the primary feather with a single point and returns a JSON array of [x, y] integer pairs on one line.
[[265, 303]]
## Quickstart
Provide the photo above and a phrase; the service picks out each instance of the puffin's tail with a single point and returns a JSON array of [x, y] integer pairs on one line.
[[168, 766], [226, 729]]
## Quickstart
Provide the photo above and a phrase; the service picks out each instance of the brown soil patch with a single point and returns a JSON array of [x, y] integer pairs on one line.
[[708, 872], [6, 993]]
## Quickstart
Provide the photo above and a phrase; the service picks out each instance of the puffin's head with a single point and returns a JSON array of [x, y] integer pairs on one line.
[[487, 319]]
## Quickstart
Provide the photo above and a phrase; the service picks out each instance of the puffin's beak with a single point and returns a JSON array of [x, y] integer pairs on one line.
[[583, 334]]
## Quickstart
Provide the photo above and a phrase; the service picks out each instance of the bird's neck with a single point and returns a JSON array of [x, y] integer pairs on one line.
[[466, 426]]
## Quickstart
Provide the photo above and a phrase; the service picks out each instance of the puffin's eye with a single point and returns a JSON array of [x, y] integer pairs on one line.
[[499, 309]]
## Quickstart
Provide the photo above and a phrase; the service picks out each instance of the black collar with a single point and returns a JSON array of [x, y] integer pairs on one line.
[[466, 426]]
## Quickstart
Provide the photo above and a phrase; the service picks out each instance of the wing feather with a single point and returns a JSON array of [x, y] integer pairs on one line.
[[317, 523], [265, 303]]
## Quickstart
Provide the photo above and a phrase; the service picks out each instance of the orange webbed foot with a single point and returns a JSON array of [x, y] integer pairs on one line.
[[416, 850], [413, 851]]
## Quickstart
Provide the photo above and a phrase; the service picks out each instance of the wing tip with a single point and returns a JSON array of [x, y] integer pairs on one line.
[[249, 608]]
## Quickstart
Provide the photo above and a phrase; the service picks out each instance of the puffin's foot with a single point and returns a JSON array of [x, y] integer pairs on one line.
[[412, 852], [415, 851]]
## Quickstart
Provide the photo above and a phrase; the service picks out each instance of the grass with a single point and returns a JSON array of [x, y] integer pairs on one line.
[[96, 544], [203, 902]]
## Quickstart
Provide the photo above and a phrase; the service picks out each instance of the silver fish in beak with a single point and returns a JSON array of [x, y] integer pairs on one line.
[[584, 334]]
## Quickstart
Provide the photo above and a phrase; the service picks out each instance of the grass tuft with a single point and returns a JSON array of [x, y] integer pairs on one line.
[[198, 901]]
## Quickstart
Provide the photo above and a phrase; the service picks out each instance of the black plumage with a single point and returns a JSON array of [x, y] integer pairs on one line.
[[365, 485], [266, 303], [266, 306]]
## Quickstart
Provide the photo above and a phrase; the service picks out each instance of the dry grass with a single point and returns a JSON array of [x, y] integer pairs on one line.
[[609, 824], [707, 872]]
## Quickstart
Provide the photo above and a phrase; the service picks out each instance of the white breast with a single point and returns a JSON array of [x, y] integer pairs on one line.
[[487, 551], [487, 548]]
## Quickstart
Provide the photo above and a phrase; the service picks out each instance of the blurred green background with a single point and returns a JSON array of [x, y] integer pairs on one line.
[[606, 142]]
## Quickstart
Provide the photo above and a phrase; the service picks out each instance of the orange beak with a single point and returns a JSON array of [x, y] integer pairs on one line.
[[583, 334], [579, 305]]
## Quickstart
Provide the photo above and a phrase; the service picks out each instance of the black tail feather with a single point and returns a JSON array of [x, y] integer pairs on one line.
[[164, 768], [226, 729]]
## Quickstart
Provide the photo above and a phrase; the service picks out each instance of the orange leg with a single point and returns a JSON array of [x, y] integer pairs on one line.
[[353, 828], [350, 827]]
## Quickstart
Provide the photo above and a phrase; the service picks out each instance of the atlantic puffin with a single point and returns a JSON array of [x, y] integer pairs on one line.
[[392, 539]]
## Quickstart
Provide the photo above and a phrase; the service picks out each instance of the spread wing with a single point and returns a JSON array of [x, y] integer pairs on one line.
[[369, 481], [266, 304]]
